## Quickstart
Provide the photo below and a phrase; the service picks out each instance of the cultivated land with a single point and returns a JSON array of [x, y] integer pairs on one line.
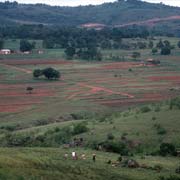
[[106, 95]]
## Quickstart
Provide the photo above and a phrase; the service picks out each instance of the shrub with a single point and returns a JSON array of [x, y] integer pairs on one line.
[[49, 73], [120, 158], [161, 131], [9, 127], [115, 147], [80, 128], [169, 178], [158, 167], [175, 103], [145, 109], [110, 136], [157, 109], [18, 139], [136, 55], [167, 149], [177, 170], [37, 73], [166, 51], [154, 50]]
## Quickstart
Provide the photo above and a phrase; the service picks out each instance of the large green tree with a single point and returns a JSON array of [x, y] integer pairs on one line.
[[25, 45], [51, 73]]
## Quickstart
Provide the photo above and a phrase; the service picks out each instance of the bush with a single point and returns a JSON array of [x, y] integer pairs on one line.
[[115, 147], [166, 51], [167, 149], [136, 55], [26, 45], [145, 109], [37, 73], [161, 131], [9, 127], [80, 128], [177, 170], [110, 136], [169, 178], [175, 103], [51, 73], [154, 50], [157, 109]]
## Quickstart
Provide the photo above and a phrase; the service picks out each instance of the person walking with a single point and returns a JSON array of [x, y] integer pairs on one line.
[[94, 158]]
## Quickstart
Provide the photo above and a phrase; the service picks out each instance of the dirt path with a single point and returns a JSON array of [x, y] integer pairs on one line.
[[96, 89], [17, 68], [150, 21]]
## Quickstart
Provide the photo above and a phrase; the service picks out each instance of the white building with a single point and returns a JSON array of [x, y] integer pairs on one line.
[[5, 51]]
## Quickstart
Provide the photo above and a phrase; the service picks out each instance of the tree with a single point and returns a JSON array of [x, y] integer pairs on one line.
[[70, 52], [154, 50], [141, 45], [167, 43], [29, 89], [48, 43], [166, 51], [1, 43], [26, 46], [167, 149], [37, 73], [160, 44], [178, 44], [51, 73], [135, 55], [151, 44]]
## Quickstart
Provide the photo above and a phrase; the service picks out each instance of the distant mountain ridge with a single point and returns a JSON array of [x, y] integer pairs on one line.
[[120, 13]]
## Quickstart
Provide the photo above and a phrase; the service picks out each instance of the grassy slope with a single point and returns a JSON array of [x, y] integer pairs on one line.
[[46, 163], [39, 163], [138, 127]]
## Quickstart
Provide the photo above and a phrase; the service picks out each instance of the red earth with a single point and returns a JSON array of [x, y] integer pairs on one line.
[[165, 78], [35, 62]]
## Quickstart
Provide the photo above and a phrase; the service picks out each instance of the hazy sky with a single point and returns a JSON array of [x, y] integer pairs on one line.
[[85, 2]]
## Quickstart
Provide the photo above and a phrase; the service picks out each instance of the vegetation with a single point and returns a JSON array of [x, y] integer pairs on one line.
[[165, 51], [1, 43], [29, 89], [167, 149], [26, 46], [125, 112], [130, 11], [49, 73]]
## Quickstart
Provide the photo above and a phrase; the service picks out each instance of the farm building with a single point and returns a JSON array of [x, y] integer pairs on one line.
[[152, 62], [5, 51]]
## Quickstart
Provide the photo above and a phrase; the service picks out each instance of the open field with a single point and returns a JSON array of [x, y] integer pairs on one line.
[[106, 96], [83, 86]]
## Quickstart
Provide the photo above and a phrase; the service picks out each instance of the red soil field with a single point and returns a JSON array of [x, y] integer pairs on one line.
[[34, 62], [95, 90], [164, 78], [122, 65], [38, 93]]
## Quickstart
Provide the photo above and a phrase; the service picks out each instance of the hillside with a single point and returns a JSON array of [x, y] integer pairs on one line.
[[117, 13]]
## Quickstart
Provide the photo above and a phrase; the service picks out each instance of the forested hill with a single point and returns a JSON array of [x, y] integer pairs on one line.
[[117, 13]]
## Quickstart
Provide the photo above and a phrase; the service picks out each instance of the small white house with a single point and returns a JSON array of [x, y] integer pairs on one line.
[[5, 51]]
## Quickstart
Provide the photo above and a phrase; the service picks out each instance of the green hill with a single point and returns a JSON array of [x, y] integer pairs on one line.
[[109, 13]]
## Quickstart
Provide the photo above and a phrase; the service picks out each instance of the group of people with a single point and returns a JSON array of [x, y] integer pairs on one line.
[[75, 156]]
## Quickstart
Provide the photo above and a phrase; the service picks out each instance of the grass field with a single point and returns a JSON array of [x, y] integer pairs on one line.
[[108, 97], [39, 163]]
